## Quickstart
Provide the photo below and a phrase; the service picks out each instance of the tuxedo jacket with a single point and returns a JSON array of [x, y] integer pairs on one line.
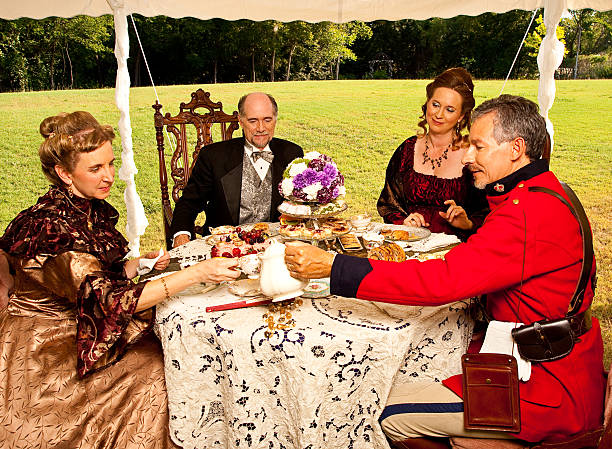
[[215, 184]]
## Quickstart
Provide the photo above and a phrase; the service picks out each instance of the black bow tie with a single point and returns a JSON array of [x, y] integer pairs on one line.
[[267, 156]]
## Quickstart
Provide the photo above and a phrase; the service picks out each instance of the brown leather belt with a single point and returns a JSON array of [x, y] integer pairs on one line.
[[581, 322]]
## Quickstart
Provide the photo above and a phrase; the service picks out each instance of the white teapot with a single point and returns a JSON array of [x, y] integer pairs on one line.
[[274, 279]]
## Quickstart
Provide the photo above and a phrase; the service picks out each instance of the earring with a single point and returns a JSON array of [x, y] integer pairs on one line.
[[458, 129], [70, 192]]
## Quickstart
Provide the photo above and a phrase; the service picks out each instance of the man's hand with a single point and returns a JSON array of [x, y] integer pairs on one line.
[[180, 239], [305, 261], [456, 216]]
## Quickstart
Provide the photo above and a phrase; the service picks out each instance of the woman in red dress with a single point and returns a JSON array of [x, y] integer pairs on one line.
[[426, 184]]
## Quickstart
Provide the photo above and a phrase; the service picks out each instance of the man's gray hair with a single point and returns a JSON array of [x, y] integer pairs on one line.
[[244, 97], [516, 117]]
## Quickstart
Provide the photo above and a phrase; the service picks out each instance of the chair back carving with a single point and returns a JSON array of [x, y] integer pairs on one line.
[[201, 113]]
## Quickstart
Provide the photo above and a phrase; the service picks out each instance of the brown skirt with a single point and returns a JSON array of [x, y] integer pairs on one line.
[[44, 404]]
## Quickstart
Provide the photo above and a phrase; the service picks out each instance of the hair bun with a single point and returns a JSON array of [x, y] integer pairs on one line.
[[48, 127]]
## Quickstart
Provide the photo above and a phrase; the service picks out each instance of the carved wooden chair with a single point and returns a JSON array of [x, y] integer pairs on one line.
[[201, 113]]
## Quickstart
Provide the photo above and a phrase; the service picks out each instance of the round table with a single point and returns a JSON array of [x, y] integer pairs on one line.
[[321, 384]]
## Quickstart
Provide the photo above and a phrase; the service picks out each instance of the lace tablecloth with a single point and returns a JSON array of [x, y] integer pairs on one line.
[[322, 384]]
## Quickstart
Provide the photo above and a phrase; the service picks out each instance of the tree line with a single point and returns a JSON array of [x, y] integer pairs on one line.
[[59, 53]]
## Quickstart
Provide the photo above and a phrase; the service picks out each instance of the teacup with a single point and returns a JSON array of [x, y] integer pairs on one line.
[[361, 221], [250, 264], [372, 240]]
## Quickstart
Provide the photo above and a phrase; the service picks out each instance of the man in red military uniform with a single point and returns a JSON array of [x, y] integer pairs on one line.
[[528, 252]]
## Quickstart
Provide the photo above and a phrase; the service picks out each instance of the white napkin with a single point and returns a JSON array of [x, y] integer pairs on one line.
[[436, 240], [498, 340], [146, 265]]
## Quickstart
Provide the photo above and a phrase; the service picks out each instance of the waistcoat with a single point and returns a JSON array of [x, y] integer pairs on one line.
[[255, 195]]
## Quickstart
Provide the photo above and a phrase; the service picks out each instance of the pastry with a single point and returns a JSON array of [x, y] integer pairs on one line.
[[389, 251], [401, 235], [226, 229], [288, 220], [386, 231], [307, 233], [261, 227], [294, 230], [322, 233]]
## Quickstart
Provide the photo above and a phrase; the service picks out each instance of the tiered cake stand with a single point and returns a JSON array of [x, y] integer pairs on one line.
[[312, 222]]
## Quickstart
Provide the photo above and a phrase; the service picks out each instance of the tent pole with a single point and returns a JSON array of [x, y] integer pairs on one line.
[[550, 57], [136, 219]]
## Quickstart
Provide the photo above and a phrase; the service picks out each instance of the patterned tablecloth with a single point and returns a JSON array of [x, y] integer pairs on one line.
[[322, 384]]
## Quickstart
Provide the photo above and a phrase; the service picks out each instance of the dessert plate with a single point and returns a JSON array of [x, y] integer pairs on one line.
[[245, 288]]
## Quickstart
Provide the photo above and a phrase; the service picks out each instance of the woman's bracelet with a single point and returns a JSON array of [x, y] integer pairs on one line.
[[163, 281]]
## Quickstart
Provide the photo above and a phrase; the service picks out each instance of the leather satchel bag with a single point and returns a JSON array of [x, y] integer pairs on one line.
[[491, 392]]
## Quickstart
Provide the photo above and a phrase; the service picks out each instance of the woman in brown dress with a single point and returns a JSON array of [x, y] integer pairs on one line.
[[79, 366]]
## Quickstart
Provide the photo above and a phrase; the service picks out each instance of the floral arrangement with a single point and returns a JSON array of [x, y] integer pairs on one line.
[[313, 178]]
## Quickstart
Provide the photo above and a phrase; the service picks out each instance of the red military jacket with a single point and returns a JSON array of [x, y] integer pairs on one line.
[[561, 398]]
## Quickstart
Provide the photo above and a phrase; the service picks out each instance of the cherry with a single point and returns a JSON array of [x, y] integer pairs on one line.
[[226, 254]]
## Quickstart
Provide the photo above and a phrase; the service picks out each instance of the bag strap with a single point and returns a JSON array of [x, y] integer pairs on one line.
[[577, 211]]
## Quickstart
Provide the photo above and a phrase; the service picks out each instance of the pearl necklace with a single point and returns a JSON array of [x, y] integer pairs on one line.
[[436, 161]]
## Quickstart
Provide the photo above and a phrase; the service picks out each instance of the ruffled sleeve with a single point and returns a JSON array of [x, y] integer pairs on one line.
[[391, 198], [105, 304]]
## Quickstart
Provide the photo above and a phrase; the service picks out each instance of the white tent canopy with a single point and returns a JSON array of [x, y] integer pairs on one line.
[[288, 10], [549, 57]]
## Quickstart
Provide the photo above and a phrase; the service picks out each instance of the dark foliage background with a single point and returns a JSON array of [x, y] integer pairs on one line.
[[57, 53]]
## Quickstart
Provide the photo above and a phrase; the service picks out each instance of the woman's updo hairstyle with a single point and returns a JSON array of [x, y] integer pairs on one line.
[[67, 136], [460, 81]]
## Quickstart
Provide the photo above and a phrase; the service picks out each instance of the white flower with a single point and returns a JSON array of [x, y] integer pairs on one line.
[[287, 187], [312, 190], [296, 169], [312, 155], [341, 190]]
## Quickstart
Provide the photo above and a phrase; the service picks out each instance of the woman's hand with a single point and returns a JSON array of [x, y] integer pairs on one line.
[[456, 216], [162, 263], [305, 261], [214, 271], [416, 219], [218, 269], [131, 267]]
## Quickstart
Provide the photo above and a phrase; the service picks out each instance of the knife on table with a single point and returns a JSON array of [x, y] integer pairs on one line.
[[237, 305]]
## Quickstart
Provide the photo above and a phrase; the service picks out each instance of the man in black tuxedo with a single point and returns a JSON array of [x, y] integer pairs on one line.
[[236, 181]]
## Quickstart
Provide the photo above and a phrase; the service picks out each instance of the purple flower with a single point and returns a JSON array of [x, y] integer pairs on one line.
[[324, 195], [316, 164], [329, 173], [299, 195]]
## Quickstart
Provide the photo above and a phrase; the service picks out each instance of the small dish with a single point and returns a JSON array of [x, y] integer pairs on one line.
[[404, 233], [316, 289], [245, 288]]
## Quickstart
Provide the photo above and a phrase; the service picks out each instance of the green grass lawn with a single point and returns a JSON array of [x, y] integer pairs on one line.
[[358, 123]]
